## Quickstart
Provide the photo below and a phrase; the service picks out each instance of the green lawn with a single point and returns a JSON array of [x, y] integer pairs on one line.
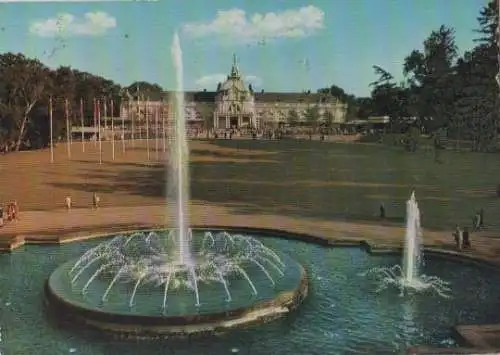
[[303, 178], [348, 181]]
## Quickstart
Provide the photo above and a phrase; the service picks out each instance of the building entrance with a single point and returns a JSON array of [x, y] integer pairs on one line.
[[233, 122]]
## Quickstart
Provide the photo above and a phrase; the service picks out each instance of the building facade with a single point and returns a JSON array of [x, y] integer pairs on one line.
[[234, 104]]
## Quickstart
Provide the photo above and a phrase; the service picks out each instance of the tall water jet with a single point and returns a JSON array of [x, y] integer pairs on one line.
[[178, 159], [407, 276], [413, 235], [147, 274]]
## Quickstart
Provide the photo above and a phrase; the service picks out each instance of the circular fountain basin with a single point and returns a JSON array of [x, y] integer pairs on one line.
[[148, 314]]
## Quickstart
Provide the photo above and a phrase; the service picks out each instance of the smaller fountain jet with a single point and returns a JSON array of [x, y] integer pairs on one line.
[[407, 277]]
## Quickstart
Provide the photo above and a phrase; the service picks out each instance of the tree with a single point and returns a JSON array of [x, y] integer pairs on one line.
[[363, 107], [387, 97], [483, 89], [430, 75], [488, 24], [24, 81], [25, 87], [342, 96], [475, 113], [147, 90]]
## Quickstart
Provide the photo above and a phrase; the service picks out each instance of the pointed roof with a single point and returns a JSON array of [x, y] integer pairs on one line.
[[234, 80], [235, 72]]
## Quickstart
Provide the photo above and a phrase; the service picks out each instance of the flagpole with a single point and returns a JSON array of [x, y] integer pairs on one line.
[[51, 131], [139, 128], [95, 121], [163, 128], [147, 125], [112, 129], [105, 105], [68, 134], [123, 125], [136, 117], [99, 129], [83, 124], [156, 132]]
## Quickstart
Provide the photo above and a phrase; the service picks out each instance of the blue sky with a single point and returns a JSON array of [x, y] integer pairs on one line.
[[282, 45]]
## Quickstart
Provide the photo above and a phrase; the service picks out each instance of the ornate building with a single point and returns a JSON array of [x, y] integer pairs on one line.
[[236, 105]]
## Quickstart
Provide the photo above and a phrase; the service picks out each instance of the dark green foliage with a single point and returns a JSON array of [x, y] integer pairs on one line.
[[445, 92], [412, 138], [25, 88]]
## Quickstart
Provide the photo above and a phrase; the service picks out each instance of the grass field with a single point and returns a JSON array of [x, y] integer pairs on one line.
[[308, 179]]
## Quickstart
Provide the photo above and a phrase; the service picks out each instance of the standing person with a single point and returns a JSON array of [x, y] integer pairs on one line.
[[481, 218], [95, 201], [68, 203], [9, 211], [15, 210], [382, 210], [466, 238], [1, 216], [476, 222], [458, 237]]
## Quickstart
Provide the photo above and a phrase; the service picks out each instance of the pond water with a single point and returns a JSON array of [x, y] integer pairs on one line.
[[342, 314]]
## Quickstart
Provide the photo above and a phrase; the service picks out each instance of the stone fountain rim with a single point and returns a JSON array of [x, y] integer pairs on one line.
[[82, 234]]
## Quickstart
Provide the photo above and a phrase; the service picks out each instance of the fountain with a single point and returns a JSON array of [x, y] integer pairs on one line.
[[407, 277], [413, 234], [181, 281]]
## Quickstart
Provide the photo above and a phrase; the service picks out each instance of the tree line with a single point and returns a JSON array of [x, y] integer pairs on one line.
[[443, 90], [27, 86]]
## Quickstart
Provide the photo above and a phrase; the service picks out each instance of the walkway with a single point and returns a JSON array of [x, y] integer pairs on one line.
[[47, 224]]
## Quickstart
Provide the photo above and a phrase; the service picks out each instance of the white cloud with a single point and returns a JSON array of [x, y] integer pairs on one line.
[[91, 24], [210, 82], [235, 25]]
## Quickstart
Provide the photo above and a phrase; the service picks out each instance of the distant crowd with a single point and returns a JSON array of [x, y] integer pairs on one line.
[[270, 133]]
